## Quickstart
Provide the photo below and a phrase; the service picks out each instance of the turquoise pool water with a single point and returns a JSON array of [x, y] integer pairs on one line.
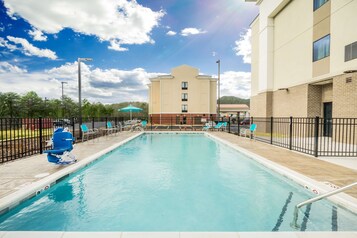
[[170, 182]]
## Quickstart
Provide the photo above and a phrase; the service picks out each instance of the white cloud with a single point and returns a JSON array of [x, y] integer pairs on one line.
[[98, 85], [244, 47], [171, 33], [116, 21], [115, 45], [37, 35], [191, 31], [6, 67], [235, 83], [27, 48], [5, 43]]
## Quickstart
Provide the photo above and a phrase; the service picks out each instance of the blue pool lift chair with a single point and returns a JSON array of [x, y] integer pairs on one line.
[[62, 145]]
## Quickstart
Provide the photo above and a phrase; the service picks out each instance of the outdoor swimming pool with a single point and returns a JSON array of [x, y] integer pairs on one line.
[[174, 182]]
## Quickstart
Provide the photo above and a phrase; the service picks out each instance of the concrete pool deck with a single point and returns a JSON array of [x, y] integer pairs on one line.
[[21, 173]]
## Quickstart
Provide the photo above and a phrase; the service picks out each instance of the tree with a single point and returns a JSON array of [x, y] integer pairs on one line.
[[233, 100], [10, 104], [31, 103]]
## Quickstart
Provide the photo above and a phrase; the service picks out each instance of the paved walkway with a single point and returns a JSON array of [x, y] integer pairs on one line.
[[22, 172], [319, 170]]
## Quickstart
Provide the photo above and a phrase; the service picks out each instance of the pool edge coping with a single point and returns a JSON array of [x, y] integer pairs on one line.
[[16, 198], [342, 199]]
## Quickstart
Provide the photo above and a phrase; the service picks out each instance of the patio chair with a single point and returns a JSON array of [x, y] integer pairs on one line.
[[249, 132], [111, 129], [88, 132], [62, 145], [218, 126]]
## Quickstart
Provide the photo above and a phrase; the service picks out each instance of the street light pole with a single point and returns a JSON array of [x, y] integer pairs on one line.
[[219, 87], [79, 90], [63, 98]]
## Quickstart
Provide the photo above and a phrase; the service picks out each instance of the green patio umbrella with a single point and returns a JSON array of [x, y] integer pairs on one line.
[[130, 109]]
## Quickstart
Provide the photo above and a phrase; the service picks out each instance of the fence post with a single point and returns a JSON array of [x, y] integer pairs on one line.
[[40, 131], [93, 123], [251, 122], [271, 129], [290, 132], [317, 121], [151, 122], [238, 125], [106, 122], [73, 126], [170, 123], [229, 125]]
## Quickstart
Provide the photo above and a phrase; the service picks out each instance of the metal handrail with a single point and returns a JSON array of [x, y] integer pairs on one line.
[[311, 200]]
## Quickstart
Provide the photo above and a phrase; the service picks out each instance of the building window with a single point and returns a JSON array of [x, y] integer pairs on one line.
[[319, 3], [321, 48], [184, 97], [184, 85], [184, 107], [351, 51]]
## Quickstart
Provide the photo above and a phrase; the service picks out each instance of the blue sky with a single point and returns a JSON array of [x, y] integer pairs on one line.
[[129, 42]]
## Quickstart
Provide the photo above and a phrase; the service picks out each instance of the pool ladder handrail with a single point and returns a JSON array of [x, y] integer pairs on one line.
[[315, 199]]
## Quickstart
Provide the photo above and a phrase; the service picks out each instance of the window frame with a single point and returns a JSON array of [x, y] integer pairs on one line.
[[352, 46], [184, 97], [184, 85], [317, 7], [184, 108], [313, 48]]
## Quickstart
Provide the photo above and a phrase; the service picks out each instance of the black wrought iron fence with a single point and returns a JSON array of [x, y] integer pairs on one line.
[[314, 136], [21, 137]]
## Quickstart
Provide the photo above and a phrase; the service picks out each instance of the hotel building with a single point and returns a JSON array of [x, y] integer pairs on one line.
[[304, 59], [183, 97]]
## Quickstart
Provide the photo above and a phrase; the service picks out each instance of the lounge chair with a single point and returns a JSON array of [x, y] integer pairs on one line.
[[249, 132], [88, 132], [144, 124], [62, 145], [206, 127], [139, 126], [218, 126]]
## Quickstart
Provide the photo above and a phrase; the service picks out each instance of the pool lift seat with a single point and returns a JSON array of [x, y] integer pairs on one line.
[[62, 145]]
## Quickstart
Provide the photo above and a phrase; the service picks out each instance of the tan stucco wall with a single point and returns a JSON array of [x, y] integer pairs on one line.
[[154, 92], [261, 105], [321, 13], [213, 97], [290, 103], [165, 93], [321, 67], [255, 57], [343, 32], [293, 44], [326, 93]]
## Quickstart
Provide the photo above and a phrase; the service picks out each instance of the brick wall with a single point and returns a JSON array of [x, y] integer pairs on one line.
[[345, 96], [314, 100]]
